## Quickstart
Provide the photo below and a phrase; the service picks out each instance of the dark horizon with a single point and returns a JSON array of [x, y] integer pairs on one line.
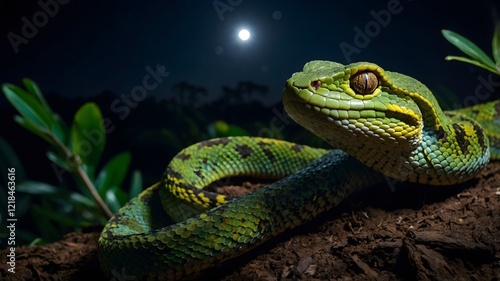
[[78, 49]]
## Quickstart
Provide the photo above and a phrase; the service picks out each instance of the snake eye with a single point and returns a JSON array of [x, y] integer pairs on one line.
[[316, 84], [364, 83]]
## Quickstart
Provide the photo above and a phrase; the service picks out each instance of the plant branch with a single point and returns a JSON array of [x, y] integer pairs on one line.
[[77, 169], [80, 173], [473, 62]]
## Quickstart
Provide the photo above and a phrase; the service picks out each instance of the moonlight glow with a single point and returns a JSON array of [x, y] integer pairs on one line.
[[244, 34]]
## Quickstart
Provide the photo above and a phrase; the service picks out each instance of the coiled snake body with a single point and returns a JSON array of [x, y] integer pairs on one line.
[[383, 123]]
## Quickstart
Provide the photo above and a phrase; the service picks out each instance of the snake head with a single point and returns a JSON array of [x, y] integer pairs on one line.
[[357, 108]]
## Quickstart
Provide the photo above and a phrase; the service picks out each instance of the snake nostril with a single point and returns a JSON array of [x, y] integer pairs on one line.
[[316, 84]]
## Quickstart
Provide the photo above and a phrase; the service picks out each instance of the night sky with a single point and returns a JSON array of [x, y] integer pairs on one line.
[[86, 47]]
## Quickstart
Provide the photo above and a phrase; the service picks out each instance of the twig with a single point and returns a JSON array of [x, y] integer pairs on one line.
[[80, 173]]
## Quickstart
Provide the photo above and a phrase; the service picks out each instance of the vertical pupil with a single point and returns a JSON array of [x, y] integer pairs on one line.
[[366, 81]]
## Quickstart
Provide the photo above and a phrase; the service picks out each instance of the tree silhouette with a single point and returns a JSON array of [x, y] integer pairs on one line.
[[188, 93], [243, 92]]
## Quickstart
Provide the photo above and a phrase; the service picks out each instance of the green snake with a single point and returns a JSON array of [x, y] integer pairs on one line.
[[382, 124]]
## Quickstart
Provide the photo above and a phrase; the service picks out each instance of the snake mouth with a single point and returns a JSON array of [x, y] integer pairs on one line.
[[301, 102], [303, 113], [312, 117], [295, 106]]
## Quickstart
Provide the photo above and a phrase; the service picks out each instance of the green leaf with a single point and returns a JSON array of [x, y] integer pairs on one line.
[[35, 129], [471, 61], [57, 124], [60, 129], [46, 228], [495, 46], [37, 242], [57, 216], [79, 200], [9, 159], [68, 203], [56, 194], [469, 48], [38, 188], [49, 230], [113, 173], [234, 130], [22, 205], [88, 136], [28, 106], [33, 89], [115, 198], [135, 184], [58, 160]]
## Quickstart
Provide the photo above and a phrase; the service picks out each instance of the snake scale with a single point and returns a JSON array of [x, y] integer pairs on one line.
[[382, 124]]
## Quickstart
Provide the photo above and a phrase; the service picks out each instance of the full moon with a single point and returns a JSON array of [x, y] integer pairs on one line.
[[244, 34]]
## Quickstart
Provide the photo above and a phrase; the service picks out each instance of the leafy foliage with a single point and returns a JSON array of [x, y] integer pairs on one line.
[[76, 149], [477, 56]]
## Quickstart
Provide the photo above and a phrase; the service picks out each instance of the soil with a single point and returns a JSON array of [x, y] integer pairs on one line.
[[411, 233]]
